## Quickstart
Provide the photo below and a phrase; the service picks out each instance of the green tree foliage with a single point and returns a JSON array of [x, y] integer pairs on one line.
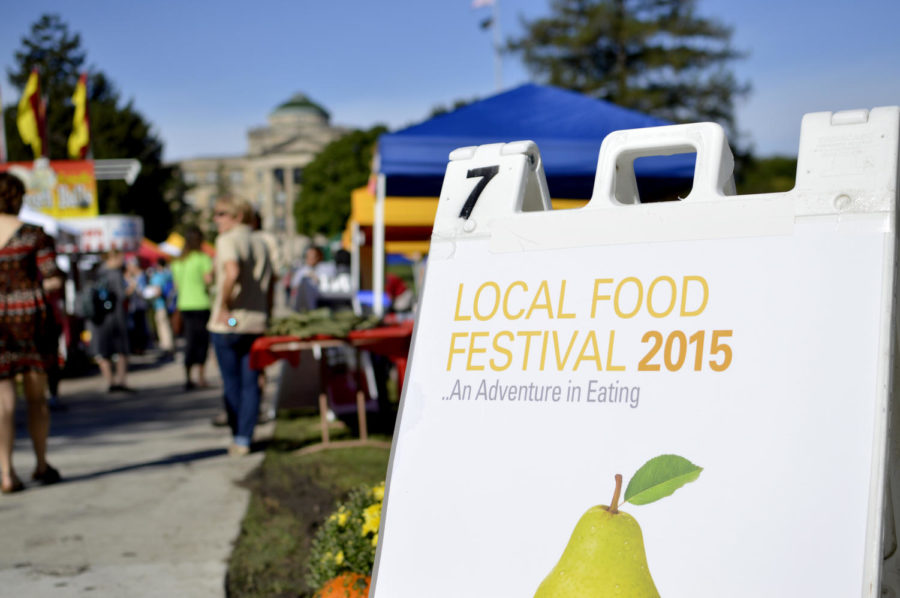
[[323, 205], [654, 56], [118, 130], [440, 109], [766, 175]]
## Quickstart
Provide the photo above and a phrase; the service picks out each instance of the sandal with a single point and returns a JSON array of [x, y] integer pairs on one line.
[[17, 486], [49, 476]]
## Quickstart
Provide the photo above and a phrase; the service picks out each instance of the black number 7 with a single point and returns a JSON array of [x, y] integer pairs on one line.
[[487, 173]]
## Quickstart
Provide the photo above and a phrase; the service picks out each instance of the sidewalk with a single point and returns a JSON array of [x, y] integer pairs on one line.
[[149, 505]]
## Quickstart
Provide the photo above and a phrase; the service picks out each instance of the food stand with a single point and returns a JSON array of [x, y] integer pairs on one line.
[[391, 341]]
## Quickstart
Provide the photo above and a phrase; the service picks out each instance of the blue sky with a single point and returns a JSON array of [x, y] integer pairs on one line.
[[204, 72]]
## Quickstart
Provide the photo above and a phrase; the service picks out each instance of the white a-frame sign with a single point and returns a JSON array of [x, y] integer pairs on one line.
[[680, 399]]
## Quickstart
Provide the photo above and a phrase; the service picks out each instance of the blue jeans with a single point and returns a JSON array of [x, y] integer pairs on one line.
[[240, 382]]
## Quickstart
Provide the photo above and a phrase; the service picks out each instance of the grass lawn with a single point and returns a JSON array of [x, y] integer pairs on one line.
[[291, 495]]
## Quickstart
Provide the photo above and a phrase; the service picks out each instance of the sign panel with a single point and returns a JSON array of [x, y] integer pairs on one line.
[[58, 188], [649, 400]]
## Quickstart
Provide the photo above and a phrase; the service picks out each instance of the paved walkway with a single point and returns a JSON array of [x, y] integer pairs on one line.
[[149, 506]]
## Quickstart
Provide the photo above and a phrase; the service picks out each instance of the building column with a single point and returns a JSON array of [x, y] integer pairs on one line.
[[289, 199], [266, 208]]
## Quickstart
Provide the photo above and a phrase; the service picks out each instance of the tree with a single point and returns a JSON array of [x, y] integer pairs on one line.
[[117, 130], [440, 109], [323, 204], [654, 56], [767, 175]]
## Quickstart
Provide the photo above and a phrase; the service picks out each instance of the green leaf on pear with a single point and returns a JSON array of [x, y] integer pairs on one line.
[[659, 477]]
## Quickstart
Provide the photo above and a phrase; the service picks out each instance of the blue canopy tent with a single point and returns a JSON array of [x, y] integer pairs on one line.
[[568, 128]]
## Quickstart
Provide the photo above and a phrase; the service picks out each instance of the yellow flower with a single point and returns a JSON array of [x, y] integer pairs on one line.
[[371, 519], [378, 492], [340, 516], [375, 540], [339, 557], [327, 557]]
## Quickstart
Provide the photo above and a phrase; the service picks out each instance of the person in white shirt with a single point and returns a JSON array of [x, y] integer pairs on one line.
[[306, 281]]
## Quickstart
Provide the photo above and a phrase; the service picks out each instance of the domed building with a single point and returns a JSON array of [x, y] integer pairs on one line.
[[271, 173]]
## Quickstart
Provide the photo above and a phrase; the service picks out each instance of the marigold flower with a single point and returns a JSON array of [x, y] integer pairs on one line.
[[378, 492], [371, 519], [339, 557]]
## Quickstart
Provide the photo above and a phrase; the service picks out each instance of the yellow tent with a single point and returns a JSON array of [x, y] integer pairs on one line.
[[407, 220]]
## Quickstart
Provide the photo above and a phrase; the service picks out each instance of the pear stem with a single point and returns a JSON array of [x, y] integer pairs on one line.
[[614, 503]]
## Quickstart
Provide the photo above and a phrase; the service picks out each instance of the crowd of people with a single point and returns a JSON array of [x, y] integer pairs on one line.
[[224, 301]]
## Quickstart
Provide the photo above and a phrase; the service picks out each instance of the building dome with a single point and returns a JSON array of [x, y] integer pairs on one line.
[[300, 105]]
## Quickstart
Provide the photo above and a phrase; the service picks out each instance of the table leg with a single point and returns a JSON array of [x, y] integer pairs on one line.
[[361, 415], [323, 416]]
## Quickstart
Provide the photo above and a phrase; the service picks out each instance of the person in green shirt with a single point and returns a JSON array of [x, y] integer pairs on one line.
[[192, 274]]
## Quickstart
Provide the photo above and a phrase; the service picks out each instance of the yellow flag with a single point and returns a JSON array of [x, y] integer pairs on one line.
[[81, 130], [30, 119]]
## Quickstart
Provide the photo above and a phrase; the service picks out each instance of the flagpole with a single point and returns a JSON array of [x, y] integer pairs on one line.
[[45, 142], [89, 155], [498, 50], [3, 154]]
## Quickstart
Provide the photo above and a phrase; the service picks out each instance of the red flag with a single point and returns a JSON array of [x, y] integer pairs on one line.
[[30, 118], [80, 139]]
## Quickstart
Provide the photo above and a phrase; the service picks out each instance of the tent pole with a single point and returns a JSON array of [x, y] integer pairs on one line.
[[354, 265], [378, 249]]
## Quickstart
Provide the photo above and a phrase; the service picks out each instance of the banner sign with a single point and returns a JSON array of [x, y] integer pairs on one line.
[[684, 399], [58, 188], [103, 233]]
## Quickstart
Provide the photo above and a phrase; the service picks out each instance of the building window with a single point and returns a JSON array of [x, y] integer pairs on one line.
[[237, 177], [211, 177], [298, 176], [280, 225], [190, 178], [278, 173]]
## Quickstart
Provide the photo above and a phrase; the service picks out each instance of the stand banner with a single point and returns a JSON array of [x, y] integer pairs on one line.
[[59, 188]]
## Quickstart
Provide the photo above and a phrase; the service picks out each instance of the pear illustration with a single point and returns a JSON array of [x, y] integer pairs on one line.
[[605, 555], [604, 558]]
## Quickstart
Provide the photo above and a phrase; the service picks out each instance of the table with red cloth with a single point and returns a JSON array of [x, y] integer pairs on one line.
[[391, 341]]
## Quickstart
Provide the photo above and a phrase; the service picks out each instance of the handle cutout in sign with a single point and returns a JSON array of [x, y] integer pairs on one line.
[[651, 189]]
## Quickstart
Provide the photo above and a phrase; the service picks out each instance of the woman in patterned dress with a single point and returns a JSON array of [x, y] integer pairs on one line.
[[28, 343]]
